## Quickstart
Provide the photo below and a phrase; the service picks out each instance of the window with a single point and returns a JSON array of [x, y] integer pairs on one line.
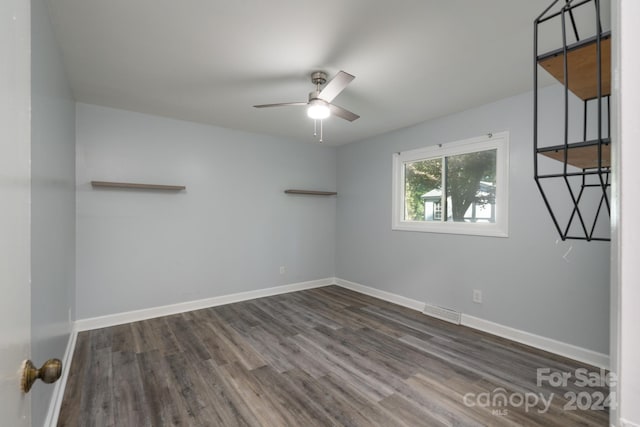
[[460, 187]]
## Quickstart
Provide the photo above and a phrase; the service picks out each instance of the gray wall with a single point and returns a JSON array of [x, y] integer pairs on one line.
[[230, 231], [526, 282], [52, 203]]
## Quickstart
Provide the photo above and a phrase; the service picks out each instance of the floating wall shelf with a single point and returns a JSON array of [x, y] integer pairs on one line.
[[132, 185], [311, 192]]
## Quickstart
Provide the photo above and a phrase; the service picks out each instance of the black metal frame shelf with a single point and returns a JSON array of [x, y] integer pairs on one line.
[[574, 46], [581, 154], [583, 68]]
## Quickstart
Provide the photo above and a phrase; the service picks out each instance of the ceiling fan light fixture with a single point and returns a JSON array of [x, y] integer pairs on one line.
[[319, 106], [318, 109]]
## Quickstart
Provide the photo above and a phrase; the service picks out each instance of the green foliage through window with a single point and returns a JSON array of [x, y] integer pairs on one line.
[[470, 182], [460, 187]]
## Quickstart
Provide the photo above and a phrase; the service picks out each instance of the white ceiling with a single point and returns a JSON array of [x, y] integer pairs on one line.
[[210, 61]]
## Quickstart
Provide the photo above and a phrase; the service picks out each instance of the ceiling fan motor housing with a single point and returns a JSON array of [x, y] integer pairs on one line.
[[318, 77]]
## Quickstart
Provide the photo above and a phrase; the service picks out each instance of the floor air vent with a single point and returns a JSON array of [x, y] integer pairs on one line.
[[442, 313]]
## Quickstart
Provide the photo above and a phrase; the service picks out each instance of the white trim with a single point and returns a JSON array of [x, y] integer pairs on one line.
[[165, 310], [625, 423], [383, 295], [581, 354], [537, 341], [498, 141], [55, 403]]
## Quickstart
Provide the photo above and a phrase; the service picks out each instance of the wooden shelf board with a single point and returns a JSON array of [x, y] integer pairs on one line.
[[583, 156], [133, 185], [582, 68], [311, 192]]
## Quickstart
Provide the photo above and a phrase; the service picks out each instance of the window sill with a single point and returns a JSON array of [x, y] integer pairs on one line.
[[470, 229]]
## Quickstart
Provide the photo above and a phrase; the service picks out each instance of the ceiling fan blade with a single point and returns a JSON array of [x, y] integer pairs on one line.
[[282, 104], [342, 113], [335, 86]]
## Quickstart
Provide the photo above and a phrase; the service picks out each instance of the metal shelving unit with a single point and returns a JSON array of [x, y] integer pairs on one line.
[[583, 68]]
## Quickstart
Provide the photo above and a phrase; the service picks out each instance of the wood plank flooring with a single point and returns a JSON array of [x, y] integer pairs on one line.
[[320, 357]]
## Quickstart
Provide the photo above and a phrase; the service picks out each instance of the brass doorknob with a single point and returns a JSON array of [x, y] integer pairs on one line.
[[49, 373]]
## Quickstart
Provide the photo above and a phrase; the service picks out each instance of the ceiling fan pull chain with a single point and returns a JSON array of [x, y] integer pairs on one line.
[[315, 127], [321, 130]]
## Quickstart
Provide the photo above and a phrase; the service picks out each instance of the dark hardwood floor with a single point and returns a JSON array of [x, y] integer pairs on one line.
[[321, 357]]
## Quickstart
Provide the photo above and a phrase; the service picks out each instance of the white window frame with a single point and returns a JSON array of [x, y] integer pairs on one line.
[[500, 228]]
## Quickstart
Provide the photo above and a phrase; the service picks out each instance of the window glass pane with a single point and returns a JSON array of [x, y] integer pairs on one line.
[[423, 190], [460, 187], [471, 187]]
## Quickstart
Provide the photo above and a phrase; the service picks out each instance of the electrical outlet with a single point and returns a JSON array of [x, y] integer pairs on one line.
[[283, 269], [477, 296]]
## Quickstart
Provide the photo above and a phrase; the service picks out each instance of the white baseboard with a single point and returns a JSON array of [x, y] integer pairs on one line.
[[537, 341], [553, 346], [58, 390], [150, 313], [383, 295], [543, 343], [625, 423]]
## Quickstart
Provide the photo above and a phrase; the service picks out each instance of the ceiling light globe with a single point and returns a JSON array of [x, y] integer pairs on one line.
[[318, 110]]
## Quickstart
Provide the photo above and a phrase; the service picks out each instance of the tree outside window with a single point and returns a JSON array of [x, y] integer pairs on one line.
[[463, 183], [470, 181]]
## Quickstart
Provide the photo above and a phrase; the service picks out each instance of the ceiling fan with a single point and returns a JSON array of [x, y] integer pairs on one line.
[[319, 106]]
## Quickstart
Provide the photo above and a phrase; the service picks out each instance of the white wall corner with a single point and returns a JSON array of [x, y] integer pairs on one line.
[[543, 343], [55, 403]]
